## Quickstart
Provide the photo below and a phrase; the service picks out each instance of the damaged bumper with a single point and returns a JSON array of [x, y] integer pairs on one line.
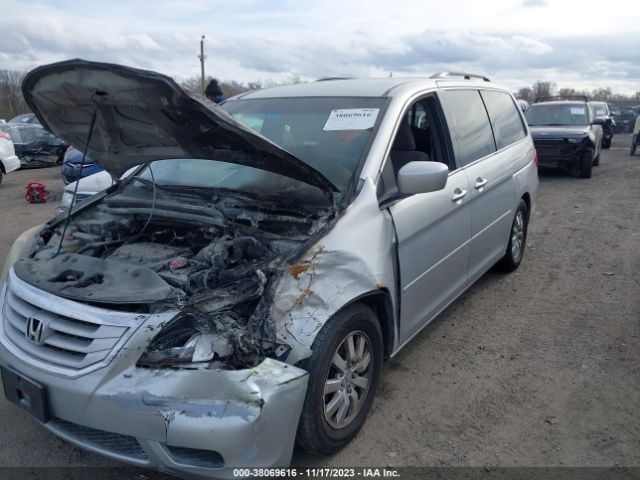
[[195, 423]]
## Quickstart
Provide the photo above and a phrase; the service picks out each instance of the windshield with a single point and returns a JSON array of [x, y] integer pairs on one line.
[[330, 134], [191, 175], [23, 133], [557, 115], [601, 110]]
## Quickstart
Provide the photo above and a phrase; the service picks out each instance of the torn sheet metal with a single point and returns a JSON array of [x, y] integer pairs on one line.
[[333, 273]]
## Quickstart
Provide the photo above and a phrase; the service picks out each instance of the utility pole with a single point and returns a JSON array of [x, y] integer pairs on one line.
[[202, 57]]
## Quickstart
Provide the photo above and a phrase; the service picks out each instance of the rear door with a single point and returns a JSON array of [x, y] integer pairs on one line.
[[488, 163]]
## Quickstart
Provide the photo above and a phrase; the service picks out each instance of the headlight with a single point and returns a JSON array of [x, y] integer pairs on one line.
[[18, 249], [187, 341]]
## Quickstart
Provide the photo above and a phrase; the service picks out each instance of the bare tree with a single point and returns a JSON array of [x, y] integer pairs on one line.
[[603, 94], [542, 89], [525, 93], [11, 101]]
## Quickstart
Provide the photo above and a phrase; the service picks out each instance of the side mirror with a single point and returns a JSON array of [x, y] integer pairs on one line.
[[598, 121], [422, 177]]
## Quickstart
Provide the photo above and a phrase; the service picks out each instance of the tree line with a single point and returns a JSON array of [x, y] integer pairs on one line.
[[547, 89], [12, 103]]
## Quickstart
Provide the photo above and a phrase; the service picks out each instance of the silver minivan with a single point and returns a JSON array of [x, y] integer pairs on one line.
[[239, 292]]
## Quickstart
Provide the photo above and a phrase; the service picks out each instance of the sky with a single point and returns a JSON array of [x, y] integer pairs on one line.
[[584, 44]]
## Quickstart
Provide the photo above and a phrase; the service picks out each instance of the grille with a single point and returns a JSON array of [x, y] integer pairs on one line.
[[65, 341], [99, 439], [196, 457]]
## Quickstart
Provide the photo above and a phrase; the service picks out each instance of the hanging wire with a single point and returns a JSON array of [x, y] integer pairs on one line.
[[153, 204]]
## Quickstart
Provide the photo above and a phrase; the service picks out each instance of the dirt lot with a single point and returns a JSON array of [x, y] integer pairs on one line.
[[538, 368]]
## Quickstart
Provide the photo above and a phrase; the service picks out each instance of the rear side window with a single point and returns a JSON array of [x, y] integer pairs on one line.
[[466, 114], [505, 119]]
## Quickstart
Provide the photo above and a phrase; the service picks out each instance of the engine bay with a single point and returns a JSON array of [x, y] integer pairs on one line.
[[217, 266]]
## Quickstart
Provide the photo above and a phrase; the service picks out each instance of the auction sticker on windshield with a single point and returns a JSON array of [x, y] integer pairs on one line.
[[577, 110], [351, 119]]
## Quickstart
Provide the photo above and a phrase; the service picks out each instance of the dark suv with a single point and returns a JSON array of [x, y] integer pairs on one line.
[[602, 110], [566, 134], [625, 119]]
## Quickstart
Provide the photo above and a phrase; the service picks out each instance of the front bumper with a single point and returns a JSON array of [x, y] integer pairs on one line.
[[558, 154], [194, 423]]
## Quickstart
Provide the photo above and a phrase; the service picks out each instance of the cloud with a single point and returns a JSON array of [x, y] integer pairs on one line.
[[534, 3], [251, 39]]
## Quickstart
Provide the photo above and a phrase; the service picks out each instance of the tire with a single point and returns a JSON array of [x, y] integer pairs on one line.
[[319, 431], [632, 150], [517, 240], [596, 161], [1, 176], [586, 164], [606, 143]]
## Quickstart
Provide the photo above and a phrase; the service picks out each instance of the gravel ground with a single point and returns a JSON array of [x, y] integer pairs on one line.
[[537, 368]]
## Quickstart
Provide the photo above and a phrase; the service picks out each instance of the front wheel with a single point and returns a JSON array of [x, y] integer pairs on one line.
[[586, 163], [517, 240], [344, 369]]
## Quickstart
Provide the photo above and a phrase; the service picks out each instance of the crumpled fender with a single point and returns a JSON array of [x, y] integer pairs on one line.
[[353, 259]]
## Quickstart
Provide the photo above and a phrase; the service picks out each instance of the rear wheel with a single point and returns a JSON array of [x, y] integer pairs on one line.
[[633, 146], [606, 142], [596, 161], [344, 369], [1, 175], [517, 240], [586, 163]]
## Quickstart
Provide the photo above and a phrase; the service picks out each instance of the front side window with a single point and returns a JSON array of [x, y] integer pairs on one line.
[[328, 133], [550, 115], [504, 116], [465, 111]]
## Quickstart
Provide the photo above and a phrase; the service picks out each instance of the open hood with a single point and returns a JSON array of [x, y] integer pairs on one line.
[[142, 116]]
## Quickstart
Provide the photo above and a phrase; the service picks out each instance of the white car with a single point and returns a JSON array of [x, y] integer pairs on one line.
[[8, 160], [87, 187]]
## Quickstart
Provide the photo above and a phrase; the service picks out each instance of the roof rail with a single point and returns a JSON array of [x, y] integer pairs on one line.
[[465, 75], [581, 98]]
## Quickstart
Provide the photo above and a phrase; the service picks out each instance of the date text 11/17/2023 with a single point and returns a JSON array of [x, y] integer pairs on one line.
[[361, 472]]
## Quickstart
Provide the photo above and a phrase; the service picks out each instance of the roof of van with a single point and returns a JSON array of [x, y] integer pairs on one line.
[[355, 87]]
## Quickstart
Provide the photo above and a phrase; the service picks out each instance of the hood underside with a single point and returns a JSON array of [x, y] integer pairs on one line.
[[142, 116]]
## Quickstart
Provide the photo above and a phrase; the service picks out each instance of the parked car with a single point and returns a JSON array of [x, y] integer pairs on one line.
[[635, 138], [566, 135], [35, 146], [8, 159], [602, 110], [625, 118], [523, 104], [73, 168], [25, 118], [242, 288]]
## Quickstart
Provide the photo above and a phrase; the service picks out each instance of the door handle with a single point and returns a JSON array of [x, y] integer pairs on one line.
[[458, 194], [480, 183]]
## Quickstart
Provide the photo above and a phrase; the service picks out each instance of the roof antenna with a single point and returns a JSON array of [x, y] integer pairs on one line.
[[84, 156]]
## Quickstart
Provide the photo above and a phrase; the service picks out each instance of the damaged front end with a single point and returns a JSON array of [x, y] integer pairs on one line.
[[218, 266]]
